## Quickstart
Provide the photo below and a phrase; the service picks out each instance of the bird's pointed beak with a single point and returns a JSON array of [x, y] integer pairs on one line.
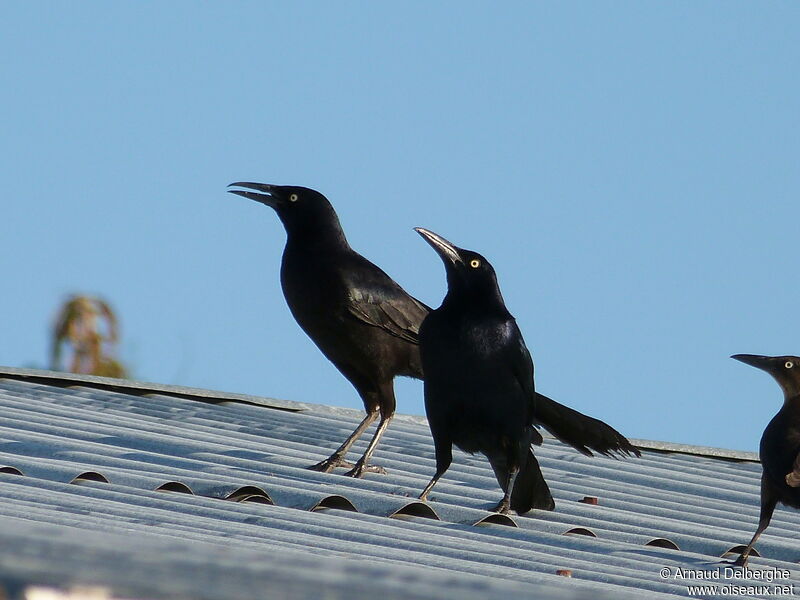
[[445, 249], [754, 360], [266, 196]]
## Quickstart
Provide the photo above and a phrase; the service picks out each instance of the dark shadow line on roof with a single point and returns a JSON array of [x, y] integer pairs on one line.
[[11, 471], [646, 447], [135, 389]]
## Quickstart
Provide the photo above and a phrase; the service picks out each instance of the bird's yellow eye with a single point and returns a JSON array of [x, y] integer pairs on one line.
[[789, 364], [293, 198], [474, 263]]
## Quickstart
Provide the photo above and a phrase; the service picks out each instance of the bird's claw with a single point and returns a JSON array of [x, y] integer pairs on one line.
[[360, 469], [741, 561], [331, 463], [503, 508]]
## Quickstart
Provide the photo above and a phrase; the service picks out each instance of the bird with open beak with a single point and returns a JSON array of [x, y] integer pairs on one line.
[[357, 315]]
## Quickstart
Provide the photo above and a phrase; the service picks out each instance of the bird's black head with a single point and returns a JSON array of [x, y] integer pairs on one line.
[[785, 370], [304, 212], [468, 273]]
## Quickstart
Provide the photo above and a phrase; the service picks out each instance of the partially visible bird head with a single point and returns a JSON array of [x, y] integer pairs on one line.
[[467, 271], [785, 370], [300, 209]]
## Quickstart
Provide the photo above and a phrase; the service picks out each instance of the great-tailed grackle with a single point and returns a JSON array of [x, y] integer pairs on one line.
[[479, 389], [780, 443], [360, 319]]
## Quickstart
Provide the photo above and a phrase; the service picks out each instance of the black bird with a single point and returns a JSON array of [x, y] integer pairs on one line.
[[360, 319], [479, 390], [780, 443]]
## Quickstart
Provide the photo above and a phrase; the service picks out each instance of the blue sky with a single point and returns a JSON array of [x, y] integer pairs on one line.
[[629, 168]]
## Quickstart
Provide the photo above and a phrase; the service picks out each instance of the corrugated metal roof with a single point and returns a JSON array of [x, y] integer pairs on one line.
[[91, 455]]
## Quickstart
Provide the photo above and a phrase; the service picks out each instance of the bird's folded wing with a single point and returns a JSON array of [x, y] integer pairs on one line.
[[519, 359], [392, 310], [793, 476], [580, 431]]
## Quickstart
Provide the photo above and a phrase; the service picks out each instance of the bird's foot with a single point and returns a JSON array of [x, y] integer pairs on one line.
[[361, 468], [741, 561], [503, 507], [331, 463]]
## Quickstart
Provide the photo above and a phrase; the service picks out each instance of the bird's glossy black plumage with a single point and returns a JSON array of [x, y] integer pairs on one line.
[[780, 443], [360, 319], [479, 388]]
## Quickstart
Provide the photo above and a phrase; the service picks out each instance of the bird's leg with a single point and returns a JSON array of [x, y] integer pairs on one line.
[[767, 509], [444, 456], [505, 504], [337, 458], [742, 560], [424, 495], [379, 395], [363, 466]]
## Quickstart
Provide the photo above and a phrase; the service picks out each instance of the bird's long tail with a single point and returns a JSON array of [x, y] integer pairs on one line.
[[530, 489], [580, 431]]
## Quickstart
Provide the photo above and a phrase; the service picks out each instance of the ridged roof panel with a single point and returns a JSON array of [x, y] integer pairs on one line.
[[221, 483]]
